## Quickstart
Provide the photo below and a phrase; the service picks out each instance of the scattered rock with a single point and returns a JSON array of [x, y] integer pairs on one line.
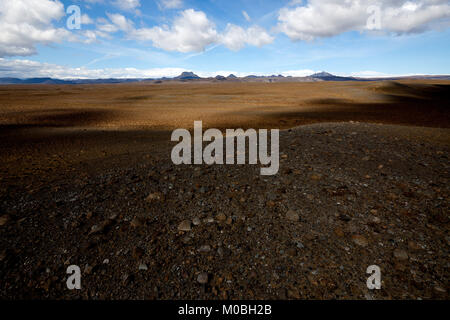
[[205, 248], [291, 215], [339, 232], [143, 267], [440, 289], [136, 222], [4, 219], [413, 245], [154, 197], [400, 254], [196, 221], [360, 240], [202, 278], [184, 226], [97, 228], [186, 239], [221, 217]]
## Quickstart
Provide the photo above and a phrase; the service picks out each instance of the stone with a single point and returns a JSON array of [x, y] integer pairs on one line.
[[339, 232], [136, 223], [4, 219], [153, 197], [221, 217], [96, 229], [376, 220], [202, 278], [184, 226], [205, 248], [143, 267], [186, 240], [400, 254], [360, 240], [291, 215], [440, 289], [196, 221], [413, 245]]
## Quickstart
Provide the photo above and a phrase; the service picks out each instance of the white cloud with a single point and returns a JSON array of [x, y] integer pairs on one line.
[[246, 16], [22, 68], [326, 18], [85, 19], [25, 23], [127, 5], [235, 37], [32, 69], [170, 4], [121, 22], [298, 73], [192, 31]]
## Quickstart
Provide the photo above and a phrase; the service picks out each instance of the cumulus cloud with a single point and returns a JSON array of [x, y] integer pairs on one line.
[[120, 22], [170, 4], [192, 31], [127, 5], [235, 37], [25, 23], [326, 18]]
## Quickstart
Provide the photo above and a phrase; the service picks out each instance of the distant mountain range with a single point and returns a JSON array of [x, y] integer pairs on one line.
[[190, 76]]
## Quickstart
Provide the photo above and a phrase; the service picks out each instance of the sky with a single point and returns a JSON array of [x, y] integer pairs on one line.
[[155, 38]]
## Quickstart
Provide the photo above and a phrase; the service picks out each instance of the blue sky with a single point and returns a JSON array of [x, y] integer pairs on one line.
[[152, 38]]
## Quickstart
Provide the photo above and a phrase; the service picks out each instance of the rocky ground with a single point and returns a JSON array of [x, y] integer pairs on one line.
[[347, 196]]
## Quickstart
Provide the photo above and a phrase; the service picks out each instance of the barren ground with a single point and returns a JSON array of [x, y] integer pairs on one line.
[[86, 179]]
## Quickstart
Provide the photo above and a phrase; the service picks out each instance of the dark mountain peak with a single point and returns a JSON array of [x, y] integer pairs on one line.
[[187, 76], [232, 76], [220, 78], [325, 76], [322, 74]]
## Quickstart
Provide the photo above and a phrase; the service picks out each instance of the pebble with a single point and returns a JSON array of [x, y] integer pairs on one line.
[[196, 221], [291, 215], [376, 220], [205, 248], [186, 240], [184, 226], [202, 278], [96, 229], [440, 289], [143, 267], [4, 219], [400, 254], [152, 197], [221, 217], [360, 240], [136, 223], [106, 261]]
